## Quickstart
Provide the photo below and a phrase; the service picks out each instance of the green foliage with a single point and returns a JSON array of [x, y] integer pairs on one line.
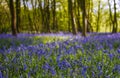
[[31, 16]]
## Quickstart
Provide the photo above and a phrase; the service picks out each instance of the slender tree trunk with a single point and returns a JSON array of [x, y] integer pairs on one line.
[[13, 18], [98, 18], [89, 16], [115, 18], [47, 17], [18, 4], [54, 16], [28, 16], [69, 24], [110, 13], [84, 18], [42, 15], [34, 15], [78, 21], [78, 17], [74, 30]]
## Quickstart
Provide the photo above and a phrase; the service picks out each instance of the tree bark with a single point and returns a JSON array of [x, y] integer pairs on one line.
[[18, 4], [98, 18], [74, 30], [54, 16], [47, 12], [84, 18], [115, 19], [13, 18], [78, 17]]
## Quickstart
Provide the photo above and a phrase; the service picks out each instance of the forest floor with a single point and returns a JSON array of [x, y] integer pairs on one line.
[[61, 55]]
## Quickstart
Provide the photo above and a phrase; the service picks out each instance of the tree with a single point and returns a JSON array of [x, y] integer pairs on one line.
[[71, 13], [13, 18], [54, 16], [18, 6], [84, 17], [47, 16], [113, 18], [78, 16], [98, 18]]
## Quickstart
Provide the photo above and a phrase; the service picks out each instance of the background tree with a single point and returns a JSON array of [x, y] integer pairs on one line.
[[46, 16], [71, 17], [55, 27], [115, 19], [83, 3], [13, 18], [98, 16], [18, 7]]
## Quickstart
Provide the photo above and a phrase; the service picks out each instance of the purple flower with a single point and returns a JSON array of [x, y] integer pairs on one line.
[[105, 51], [53, 72], [118, 57], [1, 76], [118, 50], [46, 67], [25, 67], [111, 56], [99, 67], [116, 68], [64, 64], [29, 74], [100, 73], [58, 58], [93, 74], [83, 71]]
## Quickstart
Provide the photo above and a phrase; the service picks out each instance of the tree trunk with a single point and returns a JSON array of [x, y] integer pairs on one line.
[[84, 18], [42, 15], [98, 18], [18, 3], [34, 16], [78, 17], [54, 16], [74, 31], [13, 18], [115, 18], [47, 12]]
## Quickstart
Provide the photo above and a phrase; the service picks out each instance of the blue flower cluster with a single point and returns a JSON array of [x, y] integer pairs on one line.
[[96, 56]]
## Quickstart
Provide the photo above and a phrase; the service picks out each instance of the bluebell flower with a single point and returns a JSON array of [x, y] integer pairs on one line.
[[118, 57], [53, 72], [83, 71], [58, 58], [116, 68], [105, 51], [93, 74], [1, 75], [111, 56], [99, 67], [118, 50], [46, 67], [100, 73], [78, 46], [14, 60], [21, 76], [24, 67], [108, 76], [64, 64], [71, 72], [89, 58], [29, 74]]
